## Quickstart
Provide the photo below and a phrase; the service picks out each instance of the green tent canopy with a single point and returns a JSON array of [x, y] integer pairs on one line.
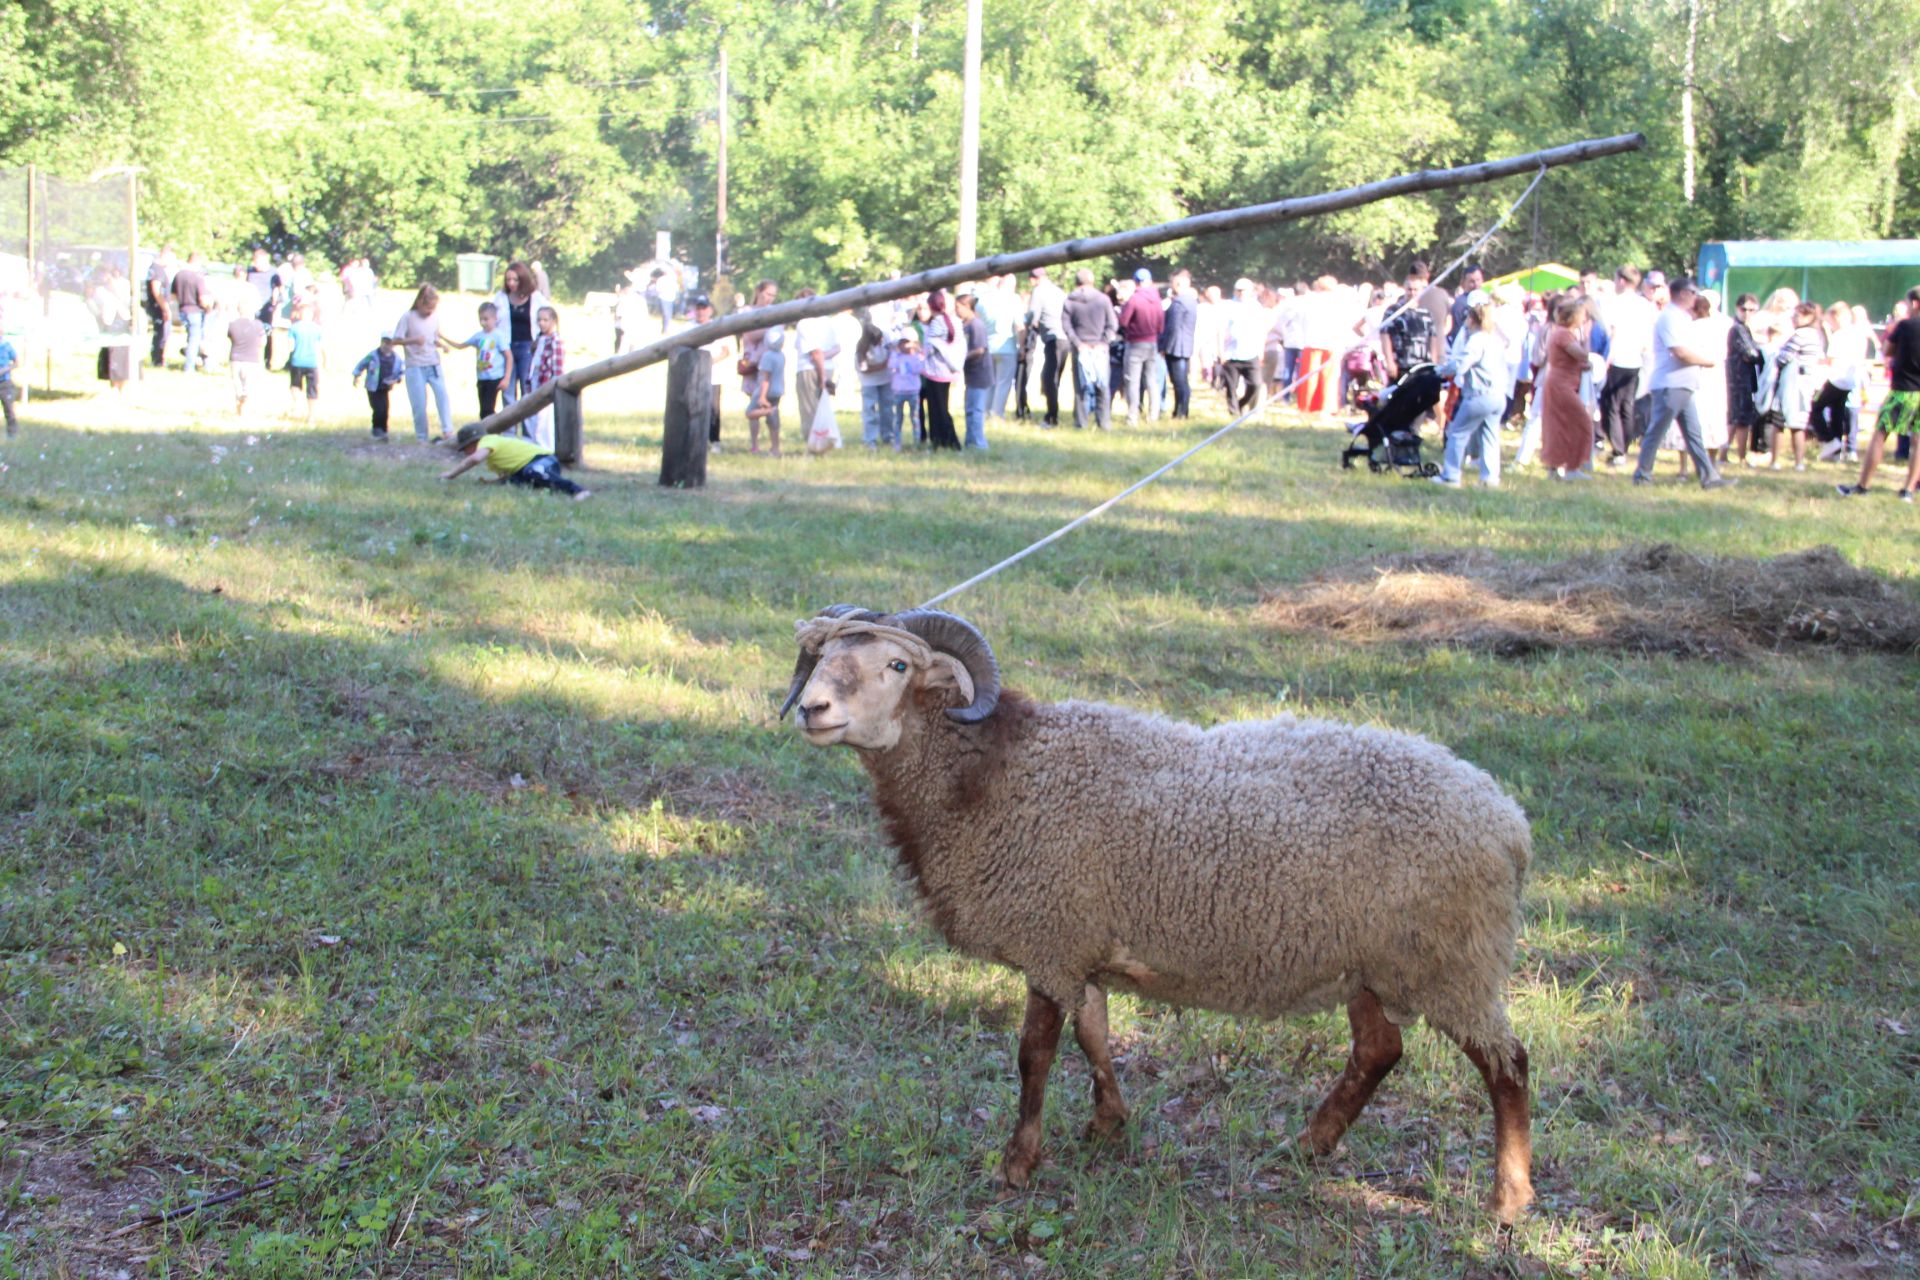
[[1544, 278], [1874, 273]]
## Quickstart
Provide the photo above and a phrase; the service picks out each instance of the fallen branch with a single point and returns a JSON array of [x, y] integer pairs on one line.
[[173, 1215], [1202, 224]]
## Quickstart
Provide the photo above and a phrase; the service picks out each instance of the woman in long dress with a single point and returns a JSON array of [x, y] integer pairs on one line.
[[1566, 428], [1710, 329]]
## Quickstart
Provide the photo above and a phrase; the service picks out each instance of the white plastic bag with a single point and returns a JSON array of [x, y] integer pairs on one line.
[[823, 433]]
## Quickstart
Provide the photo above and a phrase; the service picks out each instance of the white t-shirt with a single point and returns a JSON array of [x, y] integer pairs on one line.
[[815, 334], [1247, 324], [1631, 319], [418, 335], [1671, 330], [1847, 350]]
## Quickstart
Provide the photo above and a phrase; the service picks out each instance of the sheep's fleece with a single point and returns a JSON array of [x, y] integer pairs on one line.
[[1260, 868]]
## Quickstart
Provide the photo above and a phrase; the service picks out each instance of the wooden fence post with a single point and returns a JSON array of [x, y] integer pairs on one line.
[[683, 447], [566, 426]]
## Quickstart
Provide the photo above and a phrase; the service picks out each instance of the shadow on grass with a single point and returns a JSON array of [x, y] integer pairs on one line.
[[669, 970]]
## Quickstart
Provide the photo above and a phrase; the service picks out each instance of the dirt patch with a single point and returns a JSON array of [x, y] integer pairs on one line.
[[1657, 599], [392, 449]]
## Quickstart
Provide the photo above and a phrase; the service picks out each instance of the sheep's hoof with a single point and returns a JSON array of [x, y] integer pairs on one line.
[[1508, 1201], [1315, 1141], [1017, 1163]]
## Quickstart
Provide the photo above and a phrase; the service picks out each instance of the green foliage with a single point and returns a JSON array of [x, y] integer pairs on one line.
[[412, 130]]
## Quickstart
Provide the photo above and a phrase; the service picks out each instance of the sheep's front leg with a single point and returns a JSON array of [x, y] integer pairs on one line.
[[1090, 1029], [1039, 1039], [1506, 1080]]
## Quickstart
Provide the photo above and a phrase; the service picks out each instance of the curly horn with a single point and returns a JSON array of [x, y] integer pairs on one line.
[[960, 639], [803, 666]]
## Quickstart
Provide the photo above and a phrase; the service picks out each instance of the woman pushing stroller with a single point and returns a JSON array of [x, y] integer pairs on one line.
[[1478, 364]]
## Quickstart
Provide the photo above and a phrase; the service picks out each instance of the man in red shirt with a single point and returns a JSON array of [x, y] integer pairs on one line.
[[1141, 321]]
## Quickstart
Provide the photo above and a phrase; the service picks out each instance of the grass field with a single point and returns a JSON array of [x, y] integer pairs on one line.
[[433, 849]]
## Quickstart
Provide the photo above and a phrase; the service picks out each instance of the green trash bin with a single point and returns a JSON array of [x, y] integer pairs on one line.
[[476, 272]]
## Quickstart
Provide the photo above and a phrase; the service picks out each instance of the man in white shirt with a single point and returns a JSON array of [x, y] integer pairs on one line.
[[1630, 321], [1676, 376], [1243, 336], [815, 349]]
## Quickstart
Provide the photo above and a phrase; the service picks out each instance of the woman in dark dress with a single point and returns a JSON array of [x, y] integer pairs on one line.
[[1744, 359]]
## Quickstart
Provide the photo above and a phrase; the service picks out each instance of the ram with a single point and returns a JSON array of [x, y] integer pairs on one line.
[[1256, 868]]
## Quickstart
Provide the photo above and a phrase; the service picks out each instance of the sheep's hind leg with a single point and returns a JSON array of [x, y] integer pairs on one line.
[[1376, 1048], [1039, 1039], [1512, 1128], [1090, 1029]]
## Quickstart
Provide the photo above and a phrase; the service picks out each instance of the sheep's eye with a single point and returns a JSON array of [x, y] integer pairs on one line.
[[897, 665]]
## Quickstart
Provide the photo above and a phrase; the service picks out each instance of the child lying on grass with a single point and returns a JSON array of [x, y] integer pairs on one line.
[[514, 460]]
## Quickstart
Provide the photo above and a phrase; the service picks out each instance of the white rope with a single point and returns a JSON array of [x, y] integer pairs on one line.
[[1235, 425]]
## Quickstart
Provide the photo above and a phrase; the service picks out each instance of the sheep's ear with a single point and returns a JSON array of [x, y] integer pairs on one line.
[[948, 672]]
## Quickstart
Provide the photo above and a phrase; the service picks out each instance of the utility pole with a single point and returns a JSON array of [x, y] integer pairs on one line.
[[969, 139], [1686, 103], [133, 272], [720, 214]]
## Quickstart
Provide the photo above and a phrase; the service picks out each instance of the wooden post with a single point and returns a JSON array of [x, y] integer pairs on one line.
[[566, 426], [683, 449]]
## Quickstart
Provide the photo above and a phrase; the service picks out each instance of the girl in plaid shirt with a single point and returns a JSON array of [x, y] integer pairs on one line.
[[549, 362]]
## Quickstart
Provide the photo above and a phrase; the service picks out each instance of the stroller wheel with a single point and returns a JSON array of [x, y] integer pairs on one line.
[[1428, 470]]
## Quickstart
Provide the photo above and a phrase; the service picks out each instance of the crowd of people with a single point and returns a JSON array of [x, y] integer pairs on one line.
[[1603, 373]]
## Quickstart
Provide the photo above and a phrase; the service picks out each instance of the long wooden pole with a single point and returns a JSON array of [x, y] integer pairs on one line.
[[1066, 251], [133, 272], [720, 210], [969, 138]]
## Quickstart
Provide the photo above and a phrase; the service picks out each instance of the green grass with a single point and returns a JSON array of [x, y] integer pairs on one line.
[[434, 846]]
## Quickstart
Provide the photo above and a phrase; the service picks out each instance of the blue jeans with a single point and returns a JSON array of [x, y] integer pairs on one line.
[[1476, 422], [521, 383], [1090, 388], [977, 398], [544, 473], [196, 321], [419, 378], [1003, 370], [1671, 405], [877, 425], [905, 410]]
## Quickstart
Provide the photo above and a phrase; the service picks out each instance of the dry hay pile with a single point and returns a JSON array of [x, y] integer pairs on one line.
[[1641, 600]]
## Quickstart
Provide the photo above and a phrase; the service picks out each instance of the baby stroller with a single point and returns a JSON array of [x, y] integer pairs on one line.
[[1388, 439]]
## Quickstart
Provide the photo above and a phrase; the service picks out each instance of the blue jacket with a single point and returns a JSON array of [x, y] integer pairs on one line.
[[1176, 338], [382, 370]]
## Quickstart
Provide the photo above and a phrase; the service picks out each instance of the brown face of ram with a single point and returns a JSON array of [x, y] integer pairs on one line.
[[859, 692]]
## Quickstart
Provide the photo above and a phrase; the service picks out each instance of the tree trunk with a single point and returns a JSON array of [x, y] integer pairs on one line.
[[566, 426], [683, 450]]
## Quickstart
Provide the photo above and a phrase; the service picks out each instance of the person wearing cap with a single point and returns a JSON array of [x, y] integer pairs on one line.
[[1142, 321], [1044, 301], [1676, 376], [1090, 323], [1477, 362], [378, 371], [514, 459]]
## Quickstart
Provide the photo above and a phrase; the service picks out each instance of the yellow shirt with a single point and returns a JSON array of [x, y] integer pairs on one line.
[[507, 454]]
